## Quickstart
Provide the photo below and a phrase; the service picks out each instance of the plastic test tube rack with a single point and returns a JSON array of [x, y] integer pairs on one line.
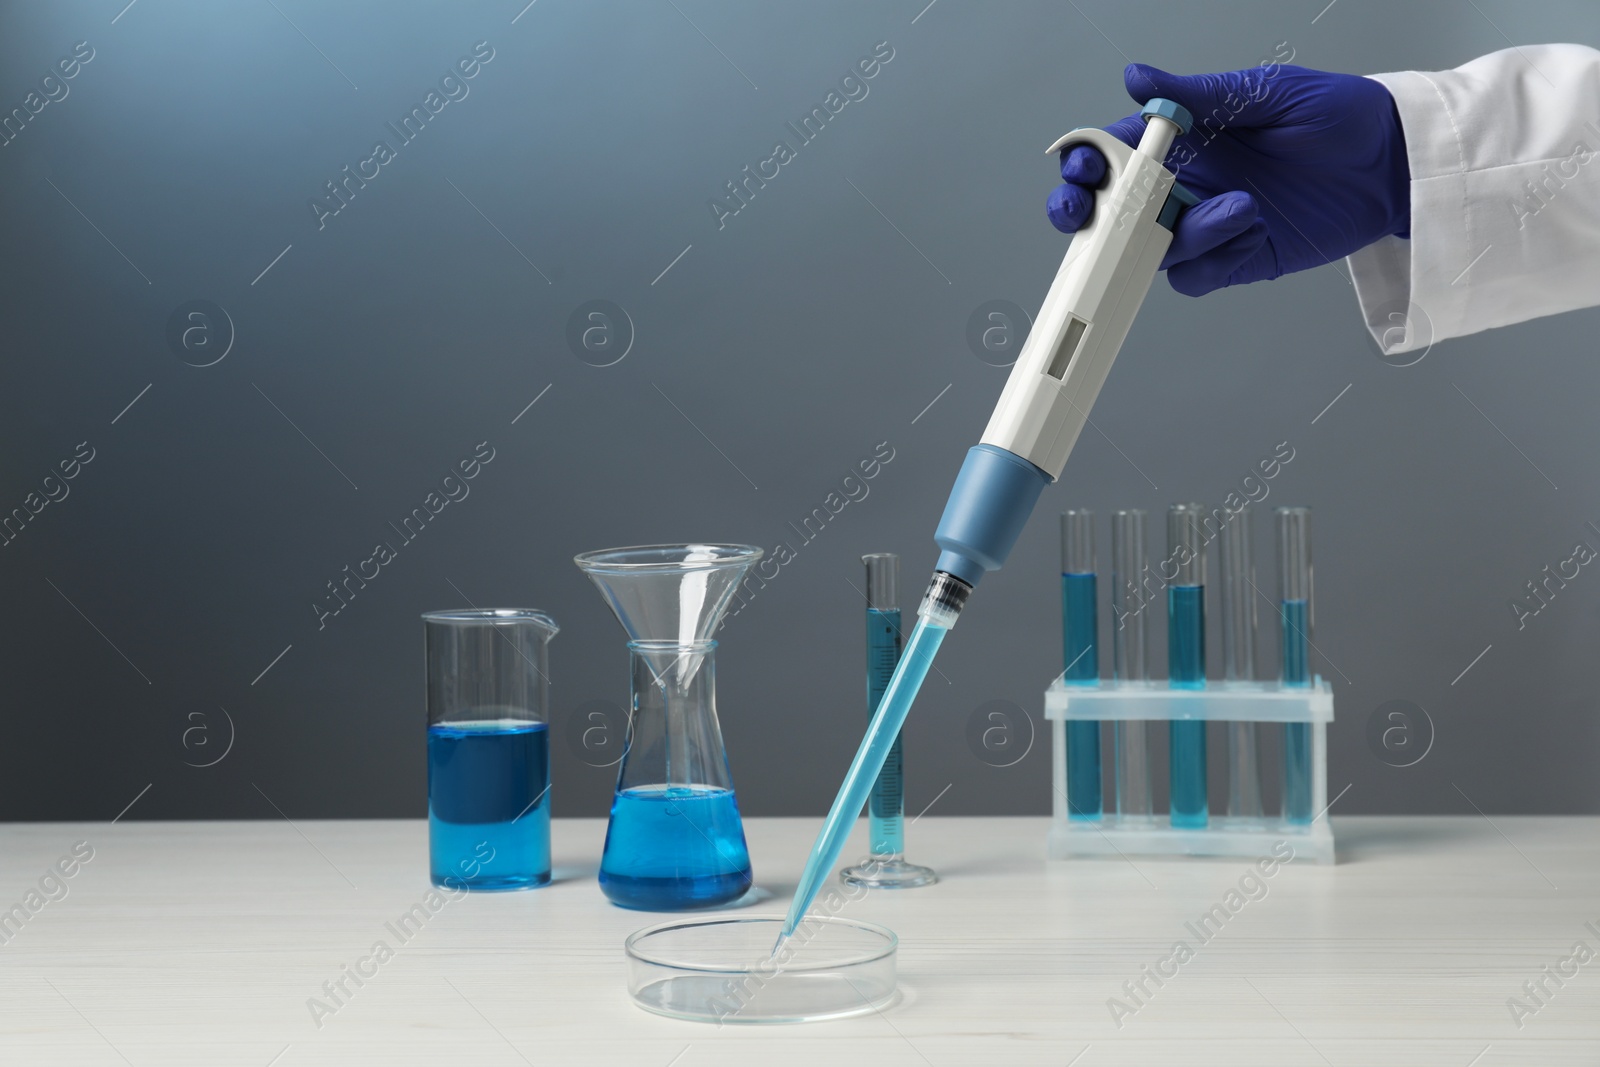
[[1079, 700], [1113, 701]]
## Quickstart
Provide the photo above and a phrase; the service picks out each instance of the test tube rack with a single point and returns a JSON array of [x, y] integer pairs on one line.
[[1113, 835]]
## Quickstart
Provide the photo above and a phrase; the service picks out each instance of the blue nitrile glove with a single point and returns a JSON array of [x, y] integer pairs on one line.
[[1294, 167]]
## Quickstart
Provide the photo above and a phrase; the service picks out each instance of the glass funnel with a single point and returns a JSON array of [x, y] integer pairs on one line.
[[675, 840]]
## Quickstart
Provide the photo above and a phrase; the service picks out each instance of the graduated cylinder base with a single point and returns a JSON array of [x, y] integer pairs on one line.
[[888, 872]]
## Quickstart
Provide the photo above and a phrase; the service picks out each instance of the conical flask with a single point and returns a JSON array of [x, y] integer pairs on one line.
[[675, 840]]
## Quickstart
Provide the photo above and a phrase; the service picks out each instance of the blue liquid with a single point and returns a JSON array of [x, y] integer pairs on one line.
[[870, 758], [1186, 667], [1082, 657], [1295, 616], [886, 824], [674, 848], [489, 804]]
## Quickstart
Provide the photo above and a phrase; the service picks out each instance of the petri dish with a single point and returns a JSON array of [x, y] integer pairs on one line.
[[721, 970]]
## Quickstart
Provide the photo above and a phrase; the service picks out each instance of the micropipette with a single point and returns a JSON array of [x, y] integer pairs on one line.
[[1080, 327]]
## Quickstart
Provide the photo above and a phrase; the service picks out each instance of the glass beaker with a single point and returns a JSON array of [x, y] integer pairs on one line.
[[488, 747], [675, 840]]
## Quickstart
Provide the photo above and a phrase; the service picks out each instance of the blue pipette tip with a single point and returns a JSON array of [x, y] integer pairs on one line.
[[869, 759]]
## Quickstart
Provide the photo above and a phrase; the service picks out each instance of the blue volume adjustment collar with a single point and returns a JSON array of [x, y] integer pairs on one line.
[[993, 496]]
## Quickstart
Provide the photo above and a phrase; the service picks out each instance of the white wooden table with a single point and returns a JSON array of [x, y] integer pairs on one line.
[[201, 943]]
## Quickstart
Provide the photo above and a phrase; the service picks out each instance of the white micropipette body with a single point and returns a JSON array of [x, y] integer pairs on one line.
[[1045, 404]]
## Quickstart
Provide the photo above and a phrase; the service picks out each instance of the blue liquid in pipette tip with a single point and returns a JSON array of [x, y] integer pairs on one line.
[[886, 824], [870, 757], [1079, 628], [674, 848], [1186, 668], [489, 804], [1296, 735]]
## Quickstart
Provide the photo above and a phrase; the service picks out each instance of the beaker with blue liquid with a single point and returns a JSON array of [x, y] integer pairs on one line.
[[488, 694], [675, 841]]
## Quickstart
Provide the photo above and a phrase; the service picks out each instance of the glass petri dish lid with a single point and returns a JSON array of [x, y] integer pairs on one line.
[[721, 970]]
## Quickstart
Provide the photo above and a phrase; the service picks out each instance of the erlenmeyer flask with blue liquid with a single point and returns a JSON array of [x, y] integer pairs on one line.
[[675, 841]]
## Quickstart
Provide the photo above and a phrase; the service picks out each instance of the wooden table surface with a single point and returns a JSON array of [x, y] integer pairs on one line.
[[204, 943]]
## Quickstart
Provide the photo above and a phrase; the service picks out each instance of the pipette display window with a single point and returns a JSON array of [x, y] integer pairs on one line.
[[1069, 348]]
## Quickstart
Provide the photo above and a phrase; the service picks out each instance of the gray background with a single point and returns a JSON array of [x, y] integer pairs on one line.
[[772, 355]]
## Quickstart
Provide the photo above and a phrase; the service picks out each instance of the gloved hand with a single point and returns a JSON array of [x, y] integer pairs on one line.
[[1295, 168]]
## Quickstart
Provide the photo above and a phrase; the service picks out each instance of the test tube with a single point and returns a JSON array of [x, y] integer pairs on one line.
[[1081, 654], [886, 867], [1294, 607], [1239, 660], [1130, 662], [1186, 660]]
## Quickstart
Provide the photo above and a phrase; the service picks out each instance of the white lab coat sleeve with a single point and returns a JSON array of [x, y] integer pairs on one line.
[[1505, 198]]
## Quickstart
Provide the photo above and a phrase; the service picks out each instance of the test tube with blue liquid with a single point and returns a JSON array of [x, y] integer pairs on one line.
[[1130, 662], [886, 866], [1294, 609], [1237, 579], [1186, 660], [1080, 653], [488, 747]]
